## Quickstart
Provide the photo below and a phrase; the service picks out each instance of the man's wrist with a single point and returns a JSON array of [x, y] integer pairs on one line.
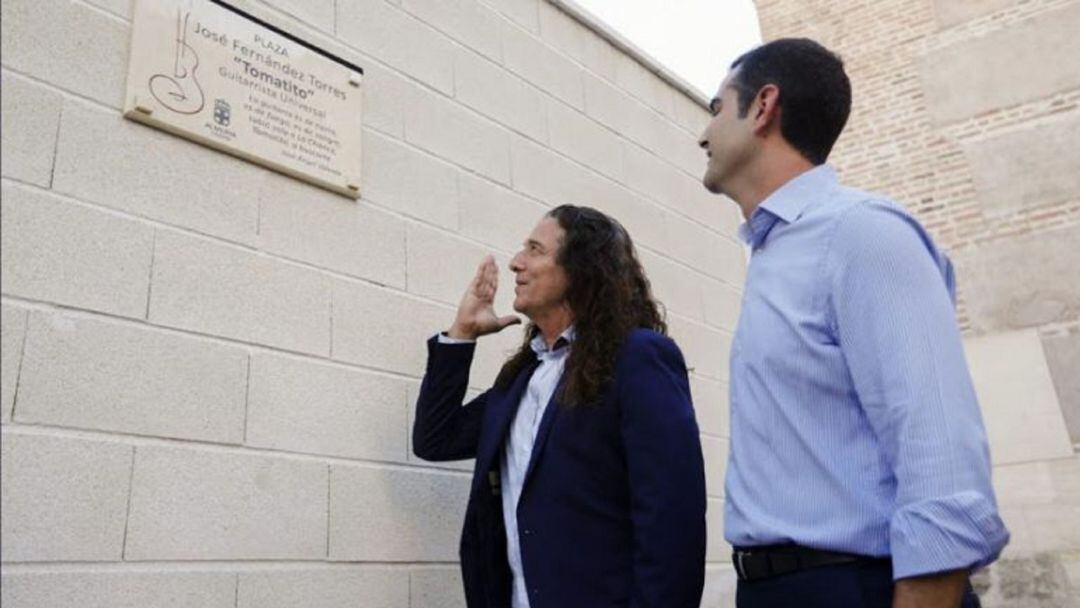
[[458, 333]]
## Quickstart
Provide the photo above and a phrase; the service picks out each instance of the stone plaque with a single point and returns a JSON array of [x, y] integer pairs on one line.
[[211, 73]]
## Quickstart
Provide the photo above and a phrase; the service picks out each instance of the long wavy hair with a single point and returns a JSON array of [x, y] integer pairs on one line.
[[608, 295]]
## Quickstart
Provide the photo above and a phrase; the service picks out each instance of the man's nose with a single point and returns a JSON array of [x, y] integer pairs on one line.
[[515, 264]]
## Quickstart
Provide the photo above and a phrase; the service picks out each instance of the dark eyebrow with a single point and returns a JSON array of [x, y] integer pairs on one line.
[[531, 242]]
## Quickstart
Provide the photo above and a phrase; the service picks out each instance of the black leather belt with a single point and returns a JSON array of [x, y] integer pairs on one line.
[[756, 563]]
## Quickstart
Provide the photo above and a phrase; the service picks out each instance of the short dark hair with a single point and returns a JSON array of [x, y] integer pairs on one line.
[[815, 93]]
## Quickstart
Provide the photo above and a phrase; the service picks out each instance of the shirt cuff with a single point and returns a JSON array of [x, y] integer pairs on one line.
[[959, 531], [445, 339]]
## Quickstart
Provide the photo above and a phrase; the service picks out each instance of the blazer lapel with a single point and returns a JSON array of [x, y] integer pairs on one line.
[[496, 427], [550, 413]]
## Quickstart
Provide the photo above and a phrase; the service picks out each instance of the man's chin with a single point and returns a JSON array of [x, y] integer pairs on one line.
[[711, 184]]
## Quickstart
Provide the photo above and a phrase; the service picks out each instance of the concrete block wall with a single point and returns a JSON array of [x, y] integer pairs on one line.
[[208, 369], [966, 111]]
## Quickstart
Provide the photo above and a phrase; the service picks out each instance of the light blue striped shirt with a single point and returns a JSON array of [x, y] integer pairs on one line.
[[854, 424]]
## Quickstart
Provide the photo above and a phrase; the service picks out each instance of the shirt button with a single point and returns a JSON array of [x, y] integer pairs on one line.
[[528, 532]]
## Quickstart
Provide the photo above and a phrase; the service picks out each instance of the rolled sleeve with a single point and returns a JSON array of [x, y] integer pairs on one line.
[[892, 312]]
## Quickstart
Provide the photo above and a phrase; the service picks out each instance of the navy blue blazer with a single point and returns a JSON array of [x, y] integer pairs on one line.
[[612, 512]]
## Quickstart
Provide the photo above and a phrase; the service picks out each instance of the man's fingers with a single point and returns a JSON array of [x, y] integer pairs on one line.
[[508, 320]]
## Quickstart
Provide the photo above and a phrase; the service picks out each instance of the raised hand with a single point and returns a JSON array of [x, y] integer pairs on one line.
[[476, 314]]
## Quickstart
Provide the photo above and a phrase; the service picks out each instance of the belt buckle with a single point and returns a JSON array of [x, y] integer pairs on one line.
[[740, 568]]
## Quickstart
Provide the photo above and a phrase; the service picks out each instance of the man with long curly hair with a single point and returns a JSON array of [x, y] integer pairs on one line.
[[589, 486]]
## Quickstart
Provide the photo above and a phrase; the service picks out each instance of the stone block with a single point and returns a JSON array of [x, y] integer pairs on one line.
[[1065, 477], [395, 514], [491, 90], [676, 287], [388, 34], [710, 405], [105, 159], [717, 549], [1053, 526], [642, 83], [955, 12], [69, 254], [1020, 409], [87, 373], [305, 223], [317, 588], [1021, 71], [31, 118], [467, 21], [541, 65], [1027, 168], [67, 44], [1063, 358], [410, 181], [200, 505], [661, 181], [545, 175], [521, 12], [723, 302], [706, 349], [225, 291], [715, 451], [441, 265], [104, 589], [64, 499], [12, 334], [493, 351], [459, 135], [705, 250], [1026, 483], [576, 41], [316, 13], [121, 8], [367, 319], [1024, 281], [720, 584], [587, 142], [436, 587], [494, 215], [386, 95], [690, 114], [298, 405]]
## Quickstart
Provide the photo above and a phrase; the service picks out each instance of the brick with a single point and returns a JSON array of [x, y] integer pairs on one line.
[[193, 504], [720, 585], [220, 290], [304, 406], [436, 588], [717, 548], [99, 589], [64, 499], [489, 89], [31, 118], [585, 141], [705, 250], [577, 41], [12, 332], [441, 265], [676, 287], [386, 95], [1009, 368], [69, 44], [1063, 359], [390, 35], [466, 21], [337, 588], [664, 183], [640, 82], [521, 12], [305, 223], [68, 254], [1021, 72], [395, 515], [105, 159], [541, 65], [121, 8], [711, 405], [410, 181], [706, 349], [722, 301], [1027, 168], [689, 113], [955, 12], [319, 13], [494, 215], [459, 135], [542, 174], [367, 319], [715, 451], [87, 373]]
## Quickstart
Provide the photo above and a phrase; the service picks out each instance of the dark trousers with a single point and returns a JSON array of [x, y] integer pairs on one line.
[[864, 584]]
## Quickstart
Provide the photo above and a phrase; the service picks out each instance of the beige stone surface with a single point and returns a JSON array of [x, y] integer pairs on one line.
[[1020, 410], [1027, 168], [1021, 69], [584, 140], [538, 63], [495, 215], [66, 253], [576, 41], [12, 334], [467, 21], [482, 84], [706, 350], [1063, 358], [678, 288], [95, 589], [31, 118], [216, 289], [1024, 281], [715, 451], [441, 265], [710, 405], [87, 373], [717, 549], [410, 181], [394, 514], [436, 587], [720, 584], [459, 135], [64, 499], [955, 12], [370, 587], [304, 406], [189, 504]]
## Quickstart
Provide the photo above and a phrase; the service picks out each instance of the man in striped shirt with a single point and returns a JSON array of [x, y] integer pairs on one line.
[[859, 472]]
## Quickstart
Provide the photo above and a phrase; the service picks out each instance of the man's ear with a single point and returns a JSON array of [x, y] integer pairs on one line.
[[766, 109]]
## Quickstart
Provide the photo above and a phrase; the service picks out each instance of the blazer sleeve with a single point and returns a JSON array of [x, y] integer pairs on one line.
[[443, 428], [666, 473]]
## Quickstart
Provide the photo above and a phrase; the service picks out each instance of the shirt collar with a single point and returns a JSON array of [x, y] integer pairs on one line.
[[787, 203], [540, 347]]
